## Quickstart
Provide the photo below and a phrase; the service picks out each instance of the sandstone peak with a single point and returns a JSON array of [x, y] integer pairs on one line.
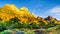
[[10, 7]]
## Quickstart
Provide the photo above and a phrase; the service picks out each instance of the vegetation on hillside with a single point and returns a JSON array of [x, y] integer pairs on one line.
[[13, 18]]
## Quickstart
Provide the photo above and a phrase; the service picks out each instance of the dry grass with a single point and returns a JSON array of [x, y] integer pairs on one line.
[[55, 31]]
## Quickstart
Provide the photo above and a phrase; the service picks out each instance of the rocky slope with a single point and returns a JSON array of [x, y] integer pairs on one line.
[[9, 11]]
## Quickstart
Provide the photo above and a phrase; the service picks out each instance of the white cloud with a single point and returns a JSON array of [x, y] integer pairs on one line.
[[58, 14], [55, 10]]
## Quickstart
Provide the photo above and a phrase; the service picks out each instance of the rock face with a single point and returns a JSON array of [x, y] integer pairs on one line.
[[9, 11], [50, 18]]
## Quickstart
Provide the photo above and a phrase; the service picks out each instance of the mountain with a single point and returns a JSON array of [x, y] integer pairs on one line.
[[10, 11], [49, 18]]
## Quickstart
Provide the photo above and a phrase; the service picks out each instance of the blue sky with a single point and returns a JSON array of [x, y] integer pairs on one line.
[[41, 8]]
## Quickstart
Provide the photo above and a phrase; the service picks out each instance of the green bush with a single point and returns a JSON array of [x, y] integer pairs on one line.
[[2, 27], [6, 32], [35, 26], [12, 24]]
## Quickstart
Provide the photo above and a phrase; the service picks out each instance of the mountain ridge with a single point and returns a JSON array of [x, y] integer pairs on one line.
[[9, 11]]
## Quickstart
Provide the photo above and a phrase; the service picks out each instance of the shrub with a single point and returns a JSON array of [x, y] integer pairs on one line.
[[35, 26], [12, 23], [6, 32], [2, 27], [51, 24], [29, 32]]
